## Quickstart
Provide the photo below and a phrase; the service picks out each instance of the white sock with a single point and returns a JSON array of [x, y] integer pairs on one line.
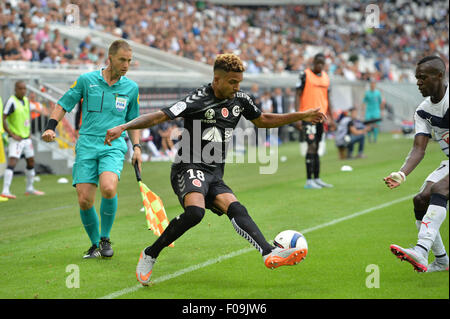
[[431, 222], [438, 247], [29, 173], [7, 180]]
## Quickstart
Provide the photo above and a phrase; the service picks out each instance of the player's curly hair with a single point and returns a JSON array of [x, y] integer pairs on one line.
[[228, 62]]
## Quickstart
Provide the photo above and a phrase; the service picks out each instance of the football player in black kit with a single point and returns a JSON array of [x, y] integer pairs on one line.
[[210, 114]]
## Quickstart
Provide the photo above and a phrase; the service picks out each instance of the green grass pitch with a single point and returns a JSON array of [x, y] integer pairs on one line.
[[348, 228]]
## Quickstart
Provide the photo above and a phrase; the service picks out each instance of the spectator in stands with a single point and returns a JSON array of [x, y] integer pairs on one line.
[[38, 18], [92, 55], [268, 38], [11, 50], [67, 54], [34, 48], [267, 107], [357, 131], [164, 130], [25, 52], [39, 114], [342, 134], [53, 59], [43, 35], [101, 61], [280, 105], [45, 50], [84, 54], [147, 141], [86, 43]]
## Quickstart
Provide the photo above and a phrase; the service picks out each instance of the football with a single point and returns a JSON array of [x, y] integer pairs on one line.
[[291, 239]]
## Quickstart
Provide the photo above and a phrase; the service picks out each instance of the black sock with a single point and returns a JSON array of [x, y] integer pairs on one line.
[[177, 227], [246, 227], [309, 165], [316, 161]]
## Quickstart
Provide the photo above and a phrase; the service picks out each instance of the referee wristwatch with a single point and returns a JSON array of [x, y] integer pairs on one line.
[[137, 145]]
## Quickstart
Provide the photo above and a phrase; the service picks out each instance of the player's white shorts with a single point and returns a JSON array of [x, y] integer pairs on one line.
[[438, 174], [16, 148]]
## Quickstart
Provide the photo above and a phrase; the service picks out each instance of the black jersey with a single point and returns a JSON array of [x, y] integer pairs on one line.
[[208, 124]]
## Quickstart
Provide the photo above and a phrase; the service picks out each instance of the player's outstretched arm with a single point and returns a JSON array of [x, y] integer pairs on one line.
[[413, 159], [56, 116], [269, 120], [143, 121]]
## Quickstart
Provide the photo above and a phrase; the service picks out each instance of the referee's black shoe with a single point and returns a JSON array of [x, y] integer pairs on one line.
[[105, 247], [93, 252]]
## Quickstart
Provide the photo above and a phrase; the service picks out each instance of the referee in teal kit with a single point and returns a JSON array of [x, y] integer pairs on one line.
[[109, 99]]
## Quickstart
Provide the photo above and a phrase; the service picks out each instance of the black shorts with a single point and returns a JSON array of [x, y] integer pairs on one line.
[[188, 178], [311, 133]]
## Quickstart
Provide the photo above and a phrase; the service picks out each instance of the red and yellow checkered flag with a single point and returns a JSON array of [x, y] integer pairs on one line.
[[155, 213]]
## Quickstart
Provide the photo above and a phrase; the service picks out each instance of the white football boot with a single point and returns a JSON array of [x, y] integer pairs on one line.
[[320, 182], [284, 257], [144, 268], [411, 255], [438, 265], [311, 184]]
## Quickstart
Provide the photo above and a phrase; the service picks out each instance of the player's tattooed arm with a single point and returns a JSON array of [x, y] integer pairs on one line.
[[143, 121]]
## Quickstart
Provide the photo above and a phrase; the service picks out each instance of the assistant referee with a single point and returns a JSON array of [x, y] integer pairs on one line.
[[109, 99]]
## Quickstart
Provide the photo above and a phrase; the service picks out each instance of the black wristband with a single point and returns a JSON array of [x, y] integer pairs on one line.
[[51, 125], [137, 145]]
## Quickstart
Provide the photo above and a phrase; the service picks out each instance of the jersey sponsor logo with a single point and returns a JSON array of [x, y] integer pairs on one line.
[[225, 112], [212, 134], [228, 134], [177, 108], [209, 114]]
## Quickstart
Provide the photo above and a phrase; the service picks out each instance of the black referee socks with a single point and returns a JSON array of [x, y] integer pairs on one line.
[[246, 227]]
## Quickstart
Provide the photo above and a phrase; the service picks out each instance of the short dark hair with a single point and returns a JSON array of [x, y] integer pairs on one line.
[[438, 63], [319, 56], [430, 58], [118, 44]]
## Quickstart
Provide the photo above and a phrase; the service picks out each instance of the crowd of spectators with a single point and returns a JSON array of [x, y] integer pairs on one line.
[[25, 35], [268, 39]]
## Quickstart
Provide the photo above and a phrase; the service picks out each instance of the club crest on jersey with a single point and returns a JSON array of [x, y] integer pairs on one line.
[[225, 112], [121, 103], [236, 110]]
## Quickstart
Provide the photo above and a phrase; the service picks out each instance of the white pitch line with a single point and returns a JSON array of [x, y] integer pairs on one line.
[[248, 249]]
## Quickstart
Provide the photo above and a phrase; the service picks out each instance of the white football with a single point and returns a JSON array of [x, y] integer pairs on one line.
[[291, 239]]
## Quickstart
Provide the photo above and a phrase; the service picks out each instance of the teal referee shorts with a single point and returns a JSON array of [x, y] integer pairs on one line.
[[93, 158]]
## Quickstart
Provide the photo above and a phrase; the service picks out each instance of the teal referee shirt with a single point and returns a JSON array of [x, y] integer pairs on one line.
[[104, 106]]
